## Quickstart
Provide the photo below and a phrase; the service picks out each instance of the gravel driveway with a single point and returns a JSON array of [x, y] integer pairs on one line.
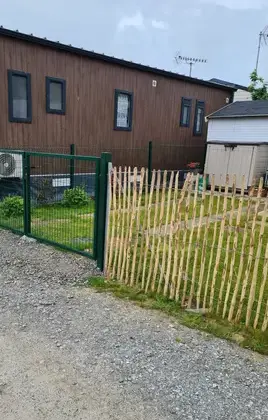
[[69, 353]]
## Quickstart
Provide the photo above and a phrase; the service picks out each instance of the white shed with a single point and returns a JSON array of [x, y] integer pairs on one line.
[[237, 141]]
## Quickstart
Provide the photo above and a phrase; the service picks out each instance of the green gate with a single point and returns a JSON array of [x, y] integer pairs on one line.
[[55, 198]]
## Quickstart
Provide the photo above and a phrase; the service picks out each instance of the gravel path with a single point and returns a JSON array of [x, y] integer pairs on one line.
[[69, 353]]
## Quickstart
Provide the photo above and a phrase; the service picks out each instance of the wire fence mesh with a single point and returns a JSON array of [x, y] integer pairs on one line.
[[51, 197]]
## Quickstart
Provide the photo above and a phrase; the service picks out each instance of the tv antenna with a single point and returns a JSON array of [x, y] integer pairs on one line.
[[263, 39], [189, 60]]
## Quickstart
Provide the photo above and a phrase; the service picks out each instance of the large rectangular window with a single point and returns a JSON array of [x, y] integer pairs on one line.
[[186, 105], [123, 109], [199, 118], [19, 96], [55, 95]]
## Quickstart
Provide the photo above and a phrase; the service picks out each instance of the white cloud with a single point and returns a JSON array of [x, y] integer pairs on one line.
[[238, 4], [135, 21], [159, 24]]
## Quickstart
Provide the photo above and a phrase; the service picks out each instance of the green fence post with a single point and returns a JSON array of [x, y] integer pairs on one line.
[[150, 162], [102, 208], [72, 169], [26, 193]]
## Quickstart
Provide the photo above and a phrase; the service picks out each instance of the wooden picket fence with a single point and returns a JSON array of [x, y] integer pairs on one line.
[[207, 250]]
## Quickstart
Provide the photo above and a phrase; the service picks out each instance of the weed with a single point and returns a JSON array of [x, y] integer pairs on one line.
[[244, 337]]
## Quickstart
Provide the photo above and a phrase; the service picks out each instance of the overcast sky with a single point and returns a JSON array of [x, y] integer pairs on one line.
[[225, 32]]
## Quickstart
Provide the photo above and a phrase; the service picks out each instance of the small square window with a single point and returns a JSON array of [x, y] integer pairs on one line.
[[199, 118], [55, 95], [19, 96], [123, 109], [186, 105]]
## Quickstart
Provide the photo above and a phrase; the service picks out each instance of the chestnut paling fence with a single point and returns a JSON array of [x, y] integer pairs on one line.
[[205, 249]]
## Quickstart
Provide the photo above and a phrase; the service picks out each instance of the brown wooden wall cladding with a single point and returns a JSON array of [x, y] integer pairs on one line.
[[89, 117]]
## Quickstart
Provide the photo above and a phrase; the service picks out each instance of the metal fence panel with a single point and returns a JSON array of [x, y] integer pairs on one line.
[[55, 198]]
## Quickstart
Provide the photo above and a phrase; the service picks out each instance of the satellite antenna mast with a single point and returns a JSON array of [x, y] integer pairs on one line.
[[189, 60], [263, 37]]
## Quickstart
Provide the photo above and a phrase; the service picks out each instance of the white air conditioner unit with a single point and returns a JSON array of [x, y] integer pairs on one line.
[[11, 165]]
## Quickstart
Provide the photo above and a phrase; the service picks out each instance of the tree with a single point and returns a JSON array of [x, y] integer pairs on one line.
[[257, 87]]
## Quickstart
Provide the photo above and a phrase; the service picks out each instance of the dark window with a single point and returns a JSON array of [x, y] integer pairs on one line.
[[123, 110], [199, 118], [19, 96], [186, 105], [55, 95]]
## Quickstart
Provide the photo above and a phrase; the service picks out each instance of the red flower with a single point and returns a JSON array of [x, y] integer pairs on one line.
[[193, 165]]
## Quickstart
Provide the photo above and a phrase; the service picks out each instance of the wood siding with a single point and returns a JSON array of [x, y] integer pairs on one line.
[[89, 118]]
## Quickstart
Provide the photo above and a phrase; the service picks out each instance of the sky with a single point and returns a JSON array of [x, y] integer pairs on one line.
[[152, 32]]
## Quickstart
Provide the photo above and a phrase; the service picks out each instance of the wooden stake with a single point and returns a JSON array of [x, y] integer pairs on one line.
[[143, 228], [178, 229], [242, 256], [262, 288], [219, 246], [256, 265], [132, 219], [163, 263], [122, 275], [122, 222], [154, 232], [108, 247], [234, 251], [171, 231], [251, 253], [200, 221], [148, 227], [227, 249], [161, 216], [119, 215], [183, 249], [211, 249], [113, 206], [205, 239], [137, 229], [186, 274]]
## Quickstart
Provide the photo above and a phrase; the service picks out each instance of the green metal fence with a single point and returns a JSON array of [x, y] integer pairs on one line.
[[56, 198]]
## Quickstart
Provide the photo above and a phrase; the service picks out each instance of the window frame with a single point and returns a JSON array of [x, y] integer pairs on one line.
[[199, 105], [117, 92], [27, 76], [186, 102], [62, 82]]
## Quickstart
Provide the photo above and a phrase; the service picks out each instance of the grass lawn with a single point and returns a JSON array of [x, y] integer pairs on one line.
[[155, 210], [235, 266], [73, 227]]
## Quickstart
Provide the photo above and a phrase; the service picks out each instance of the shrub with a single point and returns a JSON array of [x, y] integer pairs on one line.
[[45, 191], [12, 206], [75, 197]]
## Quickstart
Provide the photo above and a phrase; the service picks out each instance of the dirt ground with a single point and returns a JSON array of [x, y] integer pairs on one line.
[[67, 352]]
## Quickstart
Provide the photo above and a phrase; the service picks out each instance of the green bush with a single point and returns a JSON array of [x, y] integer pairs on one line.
[[75, 197], [12, 206]]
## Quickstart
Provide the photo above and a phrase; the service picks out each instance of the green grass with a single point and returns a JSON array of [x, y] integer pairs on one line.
[[172, 248], [156, 208], [244, 337], [67, 226]]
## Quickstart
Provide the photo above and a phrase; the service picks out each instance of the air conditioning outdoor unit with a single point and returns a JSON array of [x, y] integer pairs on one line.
[[11, 165]]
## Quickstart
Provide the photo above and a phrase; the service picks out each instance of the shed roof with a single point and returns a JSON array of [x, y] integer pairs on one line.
[[242, 109], [113, 60], [228, 84]]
